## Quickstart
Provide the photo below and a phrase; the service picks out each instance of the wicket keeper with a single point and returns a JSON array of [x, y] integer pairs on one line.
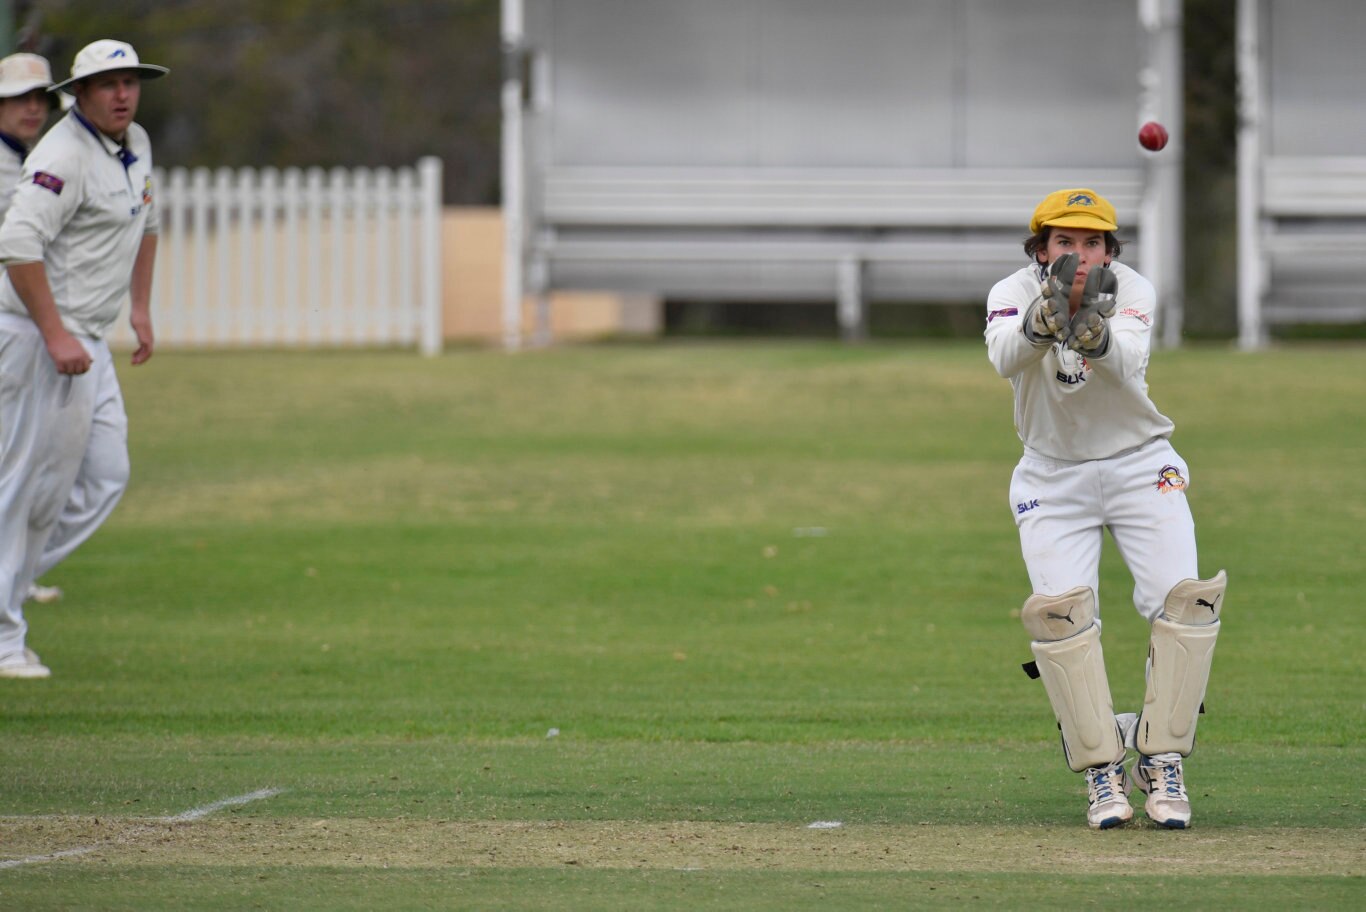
[[1071, 331]]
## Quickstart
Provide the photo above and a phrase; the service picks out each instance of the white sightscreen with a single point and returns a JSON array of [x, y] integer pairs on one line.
[[857, 83], [1316, 83]]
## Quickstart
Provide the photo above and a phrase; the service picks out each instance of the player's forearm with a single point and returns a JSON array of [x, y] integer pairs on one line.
[[1125, 356], [30, 283], [1010, 350], [140, 287]]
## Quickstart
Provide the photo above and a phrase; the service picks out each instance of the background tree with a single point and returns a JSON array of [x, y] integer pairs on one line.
[[305, 82]]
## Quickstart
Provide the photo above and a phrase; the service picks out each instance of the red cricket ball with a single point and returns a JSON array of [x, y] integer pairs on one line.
[[1152, 136]]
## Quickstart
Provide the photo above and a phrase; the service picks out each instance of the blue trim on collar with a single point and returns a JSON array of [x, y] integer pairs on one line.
[[125, 154], [19, 148]]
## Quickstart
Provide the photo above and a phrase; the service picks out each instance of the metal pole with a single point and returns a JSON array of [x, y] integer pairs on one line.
[[512, 174], [1161, 100], [850, 306], [1251, 333], [430, 335]]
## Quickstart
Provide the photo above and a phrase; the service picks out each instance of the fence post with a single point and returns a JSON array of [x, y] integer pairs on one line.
[[267, 300], [429, 330], [200, 203]]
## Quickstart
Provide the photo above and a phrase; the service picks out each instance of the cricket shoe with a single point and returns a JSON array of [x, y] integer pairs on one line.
[[25, 664], [1159, 777], [1109, 805], [43, 595]]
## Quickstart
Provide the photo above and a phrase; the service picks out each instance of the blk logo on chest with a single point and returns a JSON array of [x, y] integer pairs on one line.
[[1026, 506]]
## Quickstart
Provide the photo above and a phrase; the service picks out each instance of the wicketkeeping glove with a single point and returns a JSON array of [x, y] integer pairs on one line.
[[1046, 318], [1089, 331]]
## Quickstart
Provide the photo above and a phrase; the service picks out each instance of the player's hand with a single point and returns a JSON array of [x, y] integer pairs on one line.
[[142, 329], [68, 354], [1057, 285], [1089, 330], [1046, 319]]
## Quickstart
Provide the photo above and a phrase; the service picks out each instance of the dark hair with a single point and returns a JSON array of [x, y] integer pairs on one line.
[[1039, 242]]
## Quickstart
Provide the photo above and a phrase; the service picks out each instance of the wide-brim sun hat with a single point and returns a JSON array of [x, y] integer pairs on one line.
[[1075, 208], [104, 56], [22, 73]]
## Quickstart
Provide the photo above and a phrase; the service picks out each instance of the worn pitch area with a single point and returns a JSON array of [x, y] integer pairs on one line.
[[401, 843]]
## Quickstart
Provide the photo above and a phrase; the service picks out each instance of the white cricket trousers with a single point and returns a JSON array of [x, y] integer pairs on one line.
[[63, 460], [1062, 508]]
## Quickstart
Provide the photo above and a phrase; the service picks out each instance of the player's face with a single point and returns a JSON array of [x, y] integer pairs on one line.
[[1088, 244], [110, 100], [24, 115]]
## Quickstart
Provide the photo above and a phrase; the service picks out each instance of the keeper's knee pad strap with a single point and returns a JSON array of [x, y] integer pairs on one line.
[[1066, 647], [1179, 658]]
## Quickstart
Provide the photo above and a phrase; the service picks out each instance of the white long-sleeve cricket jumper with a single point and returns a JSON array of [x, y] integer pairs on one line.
[[1066, 406], [82, 206]]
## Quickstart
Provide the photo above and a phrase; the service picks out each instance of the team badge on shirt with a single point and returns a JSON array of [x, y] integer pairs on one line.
[[147, 192], [1170, 479], [49, 181]]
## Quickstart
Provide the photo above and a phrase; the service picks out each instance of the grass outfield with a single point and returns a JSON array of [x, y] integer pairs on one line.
[[609, 627]]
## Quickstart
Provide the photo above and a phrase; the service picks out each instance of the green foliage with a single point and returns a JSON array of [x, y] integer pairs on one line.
[[309, 82]]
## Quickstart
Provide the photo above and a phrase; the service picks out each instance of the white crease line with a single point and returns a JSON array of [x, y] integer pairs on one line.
[[39, 859], [190, 815], [208, 809]]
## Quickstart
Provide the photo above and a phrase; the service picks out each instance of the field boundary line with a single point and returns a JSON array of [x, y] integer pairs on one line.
[[184, 817]]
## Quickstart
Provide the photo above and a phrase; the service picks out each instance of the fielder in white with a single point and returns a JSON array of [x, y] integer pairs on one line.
[[1071, 332], [25, 105], [80, 235]]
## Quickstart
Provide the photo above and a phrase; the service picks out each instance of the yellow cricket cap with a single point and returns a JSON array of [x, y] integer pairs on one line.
[[1076, 208]]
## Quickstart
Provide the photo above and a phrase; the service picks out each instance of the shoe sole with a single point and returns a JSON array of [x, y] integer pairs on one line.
[[1170, 824], [1109, 823]]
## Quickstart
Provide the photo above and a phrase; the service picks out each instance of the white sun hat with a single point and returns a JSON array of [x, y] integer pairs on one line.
[[105, 55], [22, 73]]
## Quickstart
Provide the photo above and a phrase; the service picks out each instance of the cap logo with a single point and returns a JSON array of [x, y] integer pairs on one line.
[[1080, 199], [118, 53]]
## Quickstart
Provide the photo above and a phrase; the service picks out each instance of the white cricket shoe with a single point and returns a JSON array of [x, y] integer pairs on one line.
[[24, 664], [1109, 805], [43, 595], [1159, 777]]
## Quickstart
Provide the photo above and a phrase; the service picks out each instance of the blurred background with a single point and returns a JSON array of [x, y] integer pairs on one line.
[[383, 83]]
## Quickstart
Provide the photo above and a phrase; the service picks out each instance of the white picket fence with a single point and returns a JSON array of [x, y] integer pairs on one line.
[[297, 258]]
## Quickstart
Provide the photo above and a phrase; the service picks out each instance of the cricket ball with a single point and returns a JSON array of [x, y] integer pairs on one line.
[[1152, 136]]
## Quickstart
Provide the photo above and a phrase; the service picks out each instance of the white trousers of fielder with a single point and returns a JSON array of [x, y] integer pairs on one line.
[[63, 461], [1062, 509]]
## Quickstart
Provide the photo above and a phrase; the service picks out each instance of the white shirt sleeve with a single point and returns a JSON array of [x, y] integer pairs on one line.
[[49, 193], [149, 191], [1130, 330], [1008, 348]]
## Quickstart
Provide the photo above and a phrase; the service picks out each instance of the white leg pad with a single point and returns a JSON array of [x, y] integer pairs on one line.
[[1066, 647], [1179, 658]]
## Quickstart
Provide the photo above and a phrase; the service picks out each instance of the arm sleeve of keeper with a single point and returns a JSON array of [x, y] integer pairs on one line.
[[1008, 348], [37, 214], [1130, 331]]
